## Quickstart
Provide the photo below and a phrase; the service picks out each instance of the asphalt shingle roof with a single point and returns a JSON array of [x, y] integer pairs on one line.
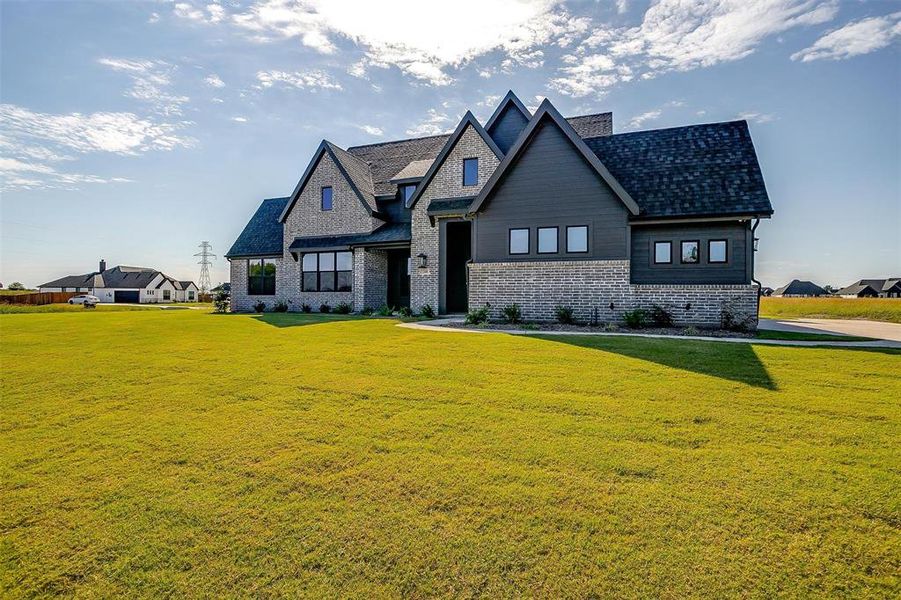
[[440, 206], [263, 233], [415, 169], [387, 233], [114, 278], [592, 125], [877, 285], [687, 171], [359, 173], [389, 158], [800, 288]]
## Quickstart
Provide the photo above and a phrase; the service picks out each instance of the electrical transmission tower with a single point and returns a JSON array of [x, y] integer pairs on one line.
[[205, 262]]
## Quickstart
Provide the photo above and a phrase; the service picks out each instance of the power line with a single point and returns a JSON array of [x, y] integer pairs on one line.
[[205, 262]]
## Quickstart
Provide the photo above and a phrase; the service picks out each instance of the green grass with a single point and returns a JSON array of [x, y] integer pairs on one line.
[[14, 309], [874, 309], [766, 334], [180, 453]]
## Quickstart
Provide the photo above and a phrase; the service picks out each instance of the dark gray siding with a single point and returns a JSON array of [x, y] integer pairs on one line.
[[736, 270], [551, 185], [507, 127], [395, 211]]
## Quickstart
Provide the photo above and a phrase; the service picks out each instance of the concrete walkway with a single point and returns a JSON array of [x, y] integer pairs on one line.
[[855, 327], [447, 326]]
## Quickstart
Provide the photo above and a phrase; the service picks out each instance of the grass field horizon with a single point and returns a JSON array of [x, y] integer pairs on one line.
[[151, 453], [874, 309]]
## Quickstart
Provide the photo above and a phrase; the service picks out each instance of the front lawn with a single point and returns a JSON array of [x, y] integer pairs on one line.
[[874, 309], [181, 453]]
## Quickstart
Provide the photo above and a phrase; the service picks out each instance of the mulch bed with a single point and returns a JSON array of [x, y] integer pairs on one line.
[[553, 327]]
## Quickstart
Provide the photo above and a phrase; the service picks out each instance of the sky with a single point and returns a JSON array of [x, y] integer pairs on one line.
[[132, 131]]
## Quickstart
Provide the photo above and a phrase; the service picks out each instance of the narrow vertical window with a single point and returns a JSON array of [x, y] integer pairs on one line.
[[327, 198], [547, 240], [691, 252], [519, 241], [663, 253], [716, 251], [470, 171], [406, 192], [577, 238]]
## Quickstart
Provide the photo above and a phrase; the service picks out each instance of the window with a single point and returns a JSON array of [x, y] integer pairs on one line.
[[191, 295], [716, 251], [470, 171], [167, 295], [577, 238], [691, 252], [663, 253], [261, 277], [406, 192], [327, 272], [327, 198], [547, 240], [519, 241]]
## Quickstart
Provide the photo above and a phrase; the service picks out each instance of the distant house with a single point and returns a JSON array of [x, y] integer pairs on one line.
[[122, 284], [222, 287], [800, 289], [186, 292], [873, 288], [766, 291]]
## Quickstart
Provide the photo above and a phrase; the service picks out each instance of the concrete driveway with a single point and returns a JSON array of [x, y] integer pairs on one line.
[[872, 329]]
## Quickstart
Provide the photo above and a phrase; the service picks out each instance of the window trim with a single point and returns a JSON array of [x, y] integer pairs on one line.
[[510, 241], [331, 198], [587, 240], [262, 260], [654, 252], [682, 260], [718, 262], [475, 158], [556, 249], [403, 197], [334, 271], [167, 294]]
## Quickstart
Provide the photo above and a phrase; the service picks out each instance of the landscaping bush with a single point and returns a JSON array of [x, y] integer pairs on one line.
[[405, 311], [306, 308], [366, 312], [512, 313], [385, 311], [565, 315], [221, 302], [730, 321], [260, 306], [325, 308], [660, 316], [426, 310], [343, 308], [280, 306], [636, 319], [477, 316]]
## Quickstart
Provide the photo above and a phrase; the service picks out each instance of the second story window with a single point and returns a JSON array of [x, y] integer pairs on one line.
[[663, 253], [327, 198], [406, 192], [470, 171]]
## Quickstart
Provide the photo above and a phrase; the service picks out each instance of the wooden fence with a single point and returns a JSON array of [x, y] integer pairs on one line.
[[39, 298]]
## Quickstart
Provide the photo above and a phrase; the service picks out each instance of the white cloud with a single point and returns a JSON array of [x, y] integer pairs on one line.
[[214, 81], [154, 18], [756, 117], [855, 38], [239, 119], [211, 13], [434, 123], [371, 130], [16, 174], [679, 36], [149, 80], [313, 79], [643, 118]]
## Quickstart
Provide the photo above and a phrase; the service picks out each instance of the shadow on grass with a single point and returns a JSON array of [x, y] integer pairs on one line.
[[300, 319], [735, 362]]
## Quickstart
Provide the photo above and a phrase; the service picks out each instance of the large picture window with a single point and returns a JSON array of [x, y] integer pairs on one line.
[[261, 277], [519, 241], [327, 272], [577, 238], [663, 253]]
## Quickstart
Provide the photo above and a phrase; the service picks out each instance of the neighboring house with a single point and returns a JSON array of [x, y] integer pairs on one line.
[[119, 284], [766, 291], [533, 209], [222, 287], [800, 289], [873, 288], [186, 291]]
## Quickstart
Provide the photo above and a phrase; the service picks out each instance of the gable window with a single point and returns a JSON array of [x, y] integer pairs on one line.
[[406, 192], [519, 241], [261, 277], [691, 252], [577, 238], [327, 198], [663, 253], [327, 272], [716, 251], [547, 240], [470, 171], [167, 295]]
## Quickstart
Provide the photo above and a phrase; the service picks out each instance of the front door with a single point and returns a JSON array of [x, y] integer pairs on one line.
[[459, 252], [399, 278]]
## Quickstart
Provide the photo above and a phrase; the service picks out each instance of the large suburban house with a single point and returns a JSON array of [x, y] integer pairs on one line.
[[800, 289], [873, 288], [533, 209], [126, 284]]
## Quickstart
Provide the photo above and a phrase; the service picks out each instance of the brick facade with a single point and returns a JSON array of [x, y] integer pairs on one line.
[[370, 278], [241, 301]]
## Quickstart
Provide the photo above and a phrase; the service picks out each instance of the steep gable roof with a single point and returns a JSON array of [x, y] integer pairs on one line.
[[507, 122], [800, 288], [387, 159], [353, 169], [547, 112], [262, 236], [508, 102], [468, 120]]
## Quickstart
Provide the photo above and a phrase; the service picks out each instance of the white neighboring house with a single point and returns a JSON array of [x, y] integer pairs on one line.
[[125, 284]]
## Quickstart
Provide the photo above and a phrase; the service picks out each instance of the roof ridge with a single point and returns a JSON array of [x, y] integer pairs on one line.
[[400, 141], [641, 131]]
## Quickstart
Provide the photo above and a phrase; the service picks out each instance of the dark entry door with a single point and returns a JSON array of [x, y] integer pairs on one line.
[[126, 296], [459, 251], [398, 278]]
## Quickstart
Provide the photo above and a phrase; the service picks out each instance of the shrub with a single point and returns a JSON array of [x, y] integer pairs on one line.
[[530, 327], [325, 308], [366, 312], [636, 319], [427, 311], [385, 311], [280, 306], [477, 316], [221, 302], [610, 327], [306, 308], [260, 306], [565, 315], [690, 330], [730, 321], [512, 313], [405, 311], [343, 308], [660, 316]]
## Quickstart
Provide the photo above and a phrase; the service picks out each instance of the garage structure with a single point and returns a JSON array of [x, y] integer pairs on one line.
[[124, 284]]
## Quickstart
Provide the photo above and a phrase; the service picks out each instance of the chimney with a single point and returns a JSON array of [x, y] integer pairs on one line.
[[102, 265]]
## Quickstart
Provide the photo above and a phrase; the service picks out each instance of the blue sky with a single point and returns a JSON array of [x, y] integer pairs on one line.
[[131, 131]]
